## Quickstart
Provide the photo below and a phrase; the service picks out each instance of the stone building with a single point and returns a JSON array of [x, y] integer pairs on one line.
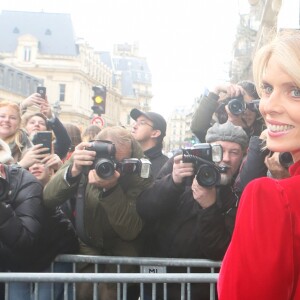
[[44, 46], [256, 28]]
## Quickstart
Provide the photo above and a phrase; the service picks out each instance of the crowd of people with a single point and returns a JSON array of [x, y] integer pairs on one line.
[[112, 191]]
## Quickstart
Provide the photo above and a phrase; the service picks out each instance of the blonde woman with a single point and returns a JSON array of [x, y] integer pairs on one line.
[[263, 261], [17, 139]]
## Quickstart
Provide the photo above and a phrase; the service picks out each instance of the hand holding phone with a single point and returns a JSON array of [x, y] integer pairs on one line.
[[44, 138], [42, 91]]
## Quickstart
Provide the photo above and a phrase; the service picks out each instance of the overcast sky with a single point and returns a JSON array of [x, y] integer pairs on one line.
[[187, 43]]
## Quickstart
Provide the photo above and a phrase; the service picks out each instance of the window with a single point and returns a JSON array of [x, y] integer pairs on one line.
[[27, 53], [62, 91], [27, 85], [10, 79], [2, 76]]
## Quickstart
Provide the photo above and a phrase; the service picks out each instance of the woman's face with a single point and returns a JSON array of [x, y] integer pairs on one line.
[[9, 122], [34, 124], [280, 107]]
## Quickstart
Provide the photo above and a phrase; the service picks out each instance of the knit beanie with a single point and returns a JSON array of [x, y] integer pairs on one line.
[[227, 132]]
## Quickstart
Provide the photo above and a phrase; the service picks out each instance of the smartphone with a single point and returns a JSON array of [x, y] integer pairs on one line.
[[44, 138], [42, 91]]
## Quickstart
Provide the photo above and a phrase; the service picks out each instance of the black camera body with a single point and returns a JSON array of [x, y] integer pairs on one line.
[[105, 163], [204, 156], [237, 105]]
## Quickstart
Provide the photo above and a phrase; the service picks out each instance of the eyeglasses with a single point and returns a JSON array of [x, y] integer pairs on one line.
[[142, 123]]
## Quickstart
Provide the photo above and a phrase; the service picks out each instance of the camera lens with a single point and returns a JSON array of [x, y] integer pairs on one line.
[[105, 168], [236, 106], [207, 175]]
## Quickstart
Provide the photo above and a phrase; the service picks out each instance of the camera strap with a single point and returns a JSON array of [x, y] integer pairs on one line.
[[79, 209]]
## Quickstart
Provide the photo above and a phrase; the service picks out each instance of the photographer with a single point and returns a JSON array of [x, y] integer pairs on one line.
[[213, 107], [194, 221], [110, 220]]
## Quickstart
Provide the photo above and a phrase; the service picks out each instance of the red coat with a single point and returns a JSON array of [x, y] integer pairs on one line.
[[263, 259]]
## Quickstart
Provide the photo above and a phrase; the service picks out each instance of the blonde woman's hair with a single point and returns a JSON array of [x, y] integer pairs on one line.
[[285, 49], [16, 137]]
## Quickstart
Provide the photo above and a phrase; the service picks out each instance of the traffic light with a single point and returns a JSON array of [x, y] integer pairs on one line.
[[99, 99]]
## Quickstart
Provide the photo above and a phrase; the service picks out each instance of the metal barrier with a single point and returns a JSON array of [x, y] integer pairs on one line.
[[152, 271]]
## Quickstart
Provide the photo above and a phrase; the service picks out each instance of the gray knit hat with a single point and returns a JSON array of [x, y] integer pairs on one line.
[[227, 132]]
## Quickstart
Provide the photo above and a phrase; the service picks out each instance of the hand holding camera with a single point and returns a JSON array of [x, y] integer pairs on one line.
[[204, 157], [278, 163], [203, 195], [181, 169], [106, 183], [99, 156], [227, 90], [82, 158]]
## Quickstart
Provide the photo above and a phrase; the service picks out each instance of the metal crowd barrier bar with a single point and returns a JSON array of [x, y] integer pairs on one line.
[[153, 274]]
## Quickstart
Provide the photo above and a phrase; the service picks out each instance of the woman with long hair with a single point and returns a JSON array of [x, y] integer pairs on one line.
[[263, 261]]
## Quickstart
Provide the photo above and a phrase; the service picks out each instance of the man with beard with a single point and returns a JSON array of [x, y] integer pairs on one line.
[[194, 221]]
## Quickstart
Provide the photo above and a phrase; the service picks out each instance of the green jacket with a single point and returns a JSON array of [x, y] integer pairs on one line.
[[107, 216]]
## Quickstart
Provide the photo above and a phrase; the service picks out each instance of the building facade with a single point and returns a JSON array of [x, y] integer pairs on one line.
[[44, 45]]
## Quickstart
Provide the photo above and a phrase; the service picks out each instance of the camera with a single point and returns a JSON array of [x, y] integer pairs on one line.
[[105, 163], [237, 105], [204, 156], [134, 165], [4, 189], [286, 159]]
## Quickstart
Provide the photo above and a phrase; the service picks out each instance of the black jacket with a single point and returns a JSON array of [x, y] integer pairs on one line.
[[30, 235], [157, 158], [180, 227], [253, 165], [62, 142]]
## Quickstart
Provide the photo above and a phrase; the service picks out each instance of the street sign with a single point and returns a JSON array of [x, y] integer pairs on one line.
[[97, 120]]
